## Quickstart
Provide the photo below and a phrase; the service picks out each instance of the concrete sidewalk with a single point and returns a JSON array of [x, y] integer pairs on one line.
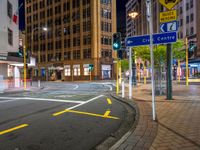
[[178, 120]]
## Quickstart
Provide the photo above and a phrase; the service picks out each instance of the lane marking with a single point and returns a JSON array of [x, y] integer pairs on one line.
[[40, 99], [53, 100], [13, 129], [107, 84], [109, 101], [106, 115], [70, 108], [76, 87], [5, 101]]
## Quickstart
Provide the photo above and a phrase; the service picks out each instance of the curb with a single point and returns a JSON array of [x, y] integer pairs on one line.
[[134, 106]]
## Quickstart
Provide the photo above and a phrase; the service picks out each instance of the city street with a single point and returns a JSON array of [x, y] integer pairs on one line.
[[60, 116]]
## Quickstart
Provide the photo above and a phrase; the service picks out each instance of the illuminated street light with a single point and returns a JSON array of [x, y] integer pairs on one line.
[[133, 14]]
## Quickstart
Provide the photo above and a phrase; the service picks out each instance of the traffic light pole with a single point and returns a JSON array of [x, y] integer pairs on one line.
[[24, 67]]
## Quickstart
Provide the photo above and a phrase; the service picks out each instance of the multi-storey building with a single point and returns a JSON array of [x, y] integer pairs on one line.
[[9, 43], [188, 17], [79, 33], [139, 25]]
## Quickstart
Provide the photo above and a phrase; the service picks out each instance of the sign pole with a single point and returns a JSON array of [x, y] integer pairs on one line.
[[150, 19], [130, 72], [169, 72]]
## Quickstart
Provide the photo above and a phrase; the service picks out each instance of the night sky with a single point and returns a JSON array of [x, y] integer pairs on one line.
[[121, 12]]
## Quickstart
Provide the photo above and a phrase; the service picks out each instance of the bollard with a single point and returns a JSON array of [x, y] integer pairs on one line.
[[39, 83], [123, 89]]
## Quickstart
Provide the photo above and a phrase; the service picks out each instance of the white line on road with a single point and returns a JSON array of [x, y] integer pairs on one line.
[[90, 100], [5, 101], [76, 87], [41, 99]]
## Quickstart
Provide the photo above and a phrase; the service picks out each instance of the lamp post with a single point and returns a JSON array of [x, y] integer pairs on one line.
[[34, 29], [133, 15]]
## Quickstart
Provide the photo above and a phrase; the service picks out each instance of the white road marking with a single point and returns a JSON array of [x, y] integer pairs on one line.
[[76, 87], [5, 101], [41, 99], [90, 100]]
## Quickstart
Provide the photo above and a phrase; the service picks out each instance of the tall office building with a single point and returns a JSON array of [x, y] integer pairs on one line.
[[79, 33], [139, 25], [188, 15], [189, 20]]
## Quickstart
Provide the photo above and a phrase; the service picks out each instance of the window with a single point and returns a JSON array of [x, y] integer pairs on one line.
[[76, 54], [67, 55], [76, 41], [187, 19], [9, 9], [66, 6], [67, 70], [76, 3], [67, 43], [57, 9], [87, 53], [77, 71], [86, 26], [191, 17], [76, 28], [86, 13], [86, 40], [187, 6], [191, 31], [86, 71], [85, 2], [191, 4], [10, 37]]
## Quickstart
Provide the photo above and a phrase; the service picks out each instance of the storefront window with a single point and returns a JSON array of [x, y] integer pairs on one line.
[[86, 71], [67, 72], [77, 72]]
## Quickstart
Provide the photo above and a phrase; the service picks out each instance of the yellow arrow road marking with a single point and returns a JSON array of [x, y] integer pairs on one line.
[[106, 115], [109, 101], [13, 129]]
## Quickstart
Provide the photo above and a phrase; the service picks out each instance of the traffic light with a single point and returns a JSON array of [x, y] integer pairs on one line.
[[91, 67], [116, 43], [192, 48], [21, 51]]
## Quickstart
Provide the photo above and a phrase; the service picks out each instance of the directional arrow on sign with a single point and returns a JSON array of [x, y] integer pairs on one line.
[[169, 26]]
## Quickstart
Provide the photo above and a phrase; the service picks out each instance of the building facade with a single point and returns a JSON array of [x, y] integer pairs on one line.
[[79, 34], [139, 25], [9, 43], [189, 19]]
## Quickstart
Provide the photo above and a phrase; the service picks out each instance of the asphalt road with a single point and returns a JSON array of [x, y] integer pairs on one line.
[[62, 116]]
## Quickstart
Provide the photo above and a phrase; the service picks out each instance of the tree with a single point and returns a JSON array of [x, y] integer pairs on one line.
[[178, 50]]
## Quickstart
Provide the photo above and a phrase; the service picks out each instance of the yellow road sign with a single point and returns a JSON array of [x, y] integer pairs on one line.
[[169, 4], [168, 16]]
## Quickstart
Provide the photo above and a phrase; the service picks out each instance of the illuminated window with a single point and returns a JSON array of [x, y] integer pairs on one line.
[[77, 71], [67, 72], [86, 71]]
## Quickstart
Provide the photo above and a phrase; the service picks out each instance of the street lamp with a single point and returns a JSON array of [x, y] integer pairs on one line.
[[133, 15], [34, 29]]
